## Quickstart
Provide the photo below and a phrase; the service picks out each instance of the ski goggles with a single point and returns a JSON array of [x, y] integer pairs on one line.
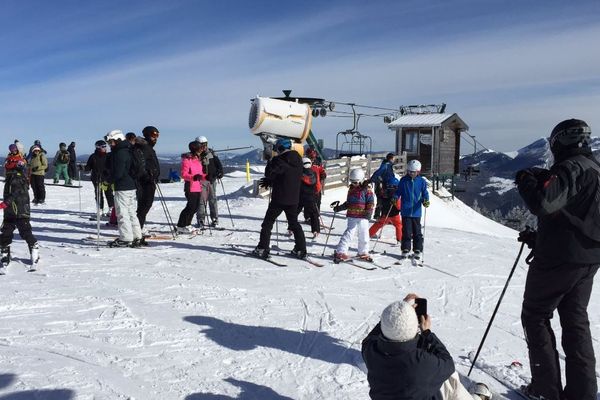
[[569, 135]]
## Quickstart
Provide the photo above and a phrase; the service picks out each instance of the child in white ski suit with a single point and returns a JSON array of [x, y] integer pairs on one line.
[[360, 204]]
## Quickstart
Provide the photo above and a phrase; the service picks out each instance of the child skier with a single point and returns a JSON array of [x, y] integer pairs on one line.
[[390, 211], [16, 208], [359, 204], [308, 197], [412, 190]]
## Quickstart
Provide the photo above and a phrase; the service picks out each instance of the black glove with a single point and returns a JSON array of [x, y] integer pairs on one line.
[[34, 169], [337, 208], [197, 177], [334, 204], [219, 175], [539, 174], [528, 236], [265, 183]]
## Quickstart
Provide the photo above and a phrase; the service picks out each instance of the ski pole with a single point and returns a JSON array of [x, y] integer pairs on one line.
[[98, 194], [496, 309], [227, 202], [334, 204], [423, 234], [384, 222], [79, 189], [166, 211], [206, 218]]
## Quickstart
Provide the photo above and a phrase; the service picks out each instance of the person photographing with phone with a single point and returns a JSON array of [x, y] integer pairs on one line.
[[406, 360]]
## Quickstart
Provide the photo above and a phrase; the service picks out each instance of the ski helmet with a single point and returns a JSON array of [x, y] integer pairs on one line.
[[13, 148], [283, 144], [201, 139], [356, 175], [414, 166], [570, 134], [130, 136], [194, 146], [116, 135], [150, 131], [62, 145], [306, 162]]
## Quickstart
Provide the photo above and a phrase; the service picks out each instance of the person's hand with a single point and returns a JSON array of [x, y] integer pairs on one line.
[[528, 236], [34, 169], [334, 204], [3, 205], [425, 322], [104, 186], [219, 175], [425, 203], [410, 298], [264, 183], [197, 177]]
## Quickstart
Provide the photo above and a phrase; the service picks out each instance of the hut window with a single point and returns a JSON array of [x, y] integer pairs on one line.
[[411, 140]]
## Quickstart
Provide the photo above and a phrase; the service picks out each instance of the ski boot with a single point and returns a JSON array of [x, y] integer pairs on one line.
[[526, 391], [260, 253], [5, 252], [365, 257], [340, 257], [404, 254], [34, 252], [214, 223], [481, 392], [301, 254], [417, 255], [119, 243]]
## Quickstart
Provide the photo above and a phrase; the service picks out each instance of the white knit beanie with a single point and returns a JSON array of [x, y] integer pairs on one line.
[[399, 322]]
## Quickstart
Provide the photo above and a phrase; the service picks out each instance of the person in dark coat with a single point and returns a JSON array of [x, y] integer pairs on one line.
[[566, 256], [214, 169], [403, 363], [16, 206], [130, 233], [146, 185], [72, 169], [380, 178], [283, 174], [96, 164]]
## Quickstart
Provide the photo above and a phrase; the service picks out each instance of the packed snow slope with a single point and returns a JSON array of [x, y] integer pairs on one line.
[[193, 319]]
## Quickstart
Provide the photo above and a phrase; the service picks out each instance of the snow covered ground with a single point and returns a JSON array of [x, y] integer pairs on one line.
[[192, 319]]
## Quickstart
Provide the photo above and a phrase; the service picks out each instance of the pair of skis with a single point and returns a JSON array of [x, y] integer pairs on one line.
[[274, 259], [416, 261], [510, 376], [6, 262]]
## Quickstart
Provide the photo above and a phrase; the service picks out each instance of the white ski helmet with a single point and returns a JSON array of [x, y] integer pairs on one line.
[[356, 175], [116, 134], [201, 139], [414, 166], [306, 162]]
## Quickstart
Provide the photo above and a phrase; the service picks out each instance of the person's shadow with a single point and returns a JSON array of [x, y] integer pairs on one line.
[[7, 380], [250, 391], [311, 344]]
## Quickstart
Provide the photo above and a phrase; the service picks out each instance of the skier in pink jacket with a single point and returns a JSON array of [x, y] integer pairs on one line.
[[193, 174]]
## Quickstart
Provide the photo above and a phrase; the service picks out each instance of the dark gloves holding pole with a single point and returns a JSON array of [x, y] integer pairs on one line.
[[265, 183], [528, 236], [539, 175], [197, 177]]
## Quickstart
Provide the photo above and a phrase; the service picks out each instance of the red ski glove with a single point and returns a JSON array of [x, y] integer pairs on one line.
[[3, 205]]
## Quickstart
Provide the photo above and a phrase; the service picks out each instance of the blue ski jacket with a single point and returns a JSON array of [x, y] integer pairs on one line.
[[412, 192]]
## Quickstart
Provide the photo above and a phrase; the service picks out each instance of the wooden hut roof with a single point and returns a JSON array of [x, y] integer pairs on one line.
[[429, 120]]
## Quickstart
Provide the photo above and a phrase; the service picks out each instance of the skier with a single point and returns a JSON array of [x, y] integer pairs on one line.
[[308, 197], [38, 167], [16, 207], [130, 233], [390, 211], [61, 162], [320, 173], [214, 170], [193, 172], [72, 168], [97, 164], [405, 360], [566, 255], [412, 191], [384, 174], [147, 183], [359, 203], [282, 174], [37, 143]]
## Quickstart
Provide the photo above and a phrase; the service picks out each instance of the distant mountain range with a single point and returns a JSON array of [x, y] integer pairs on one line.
[[493, 187]]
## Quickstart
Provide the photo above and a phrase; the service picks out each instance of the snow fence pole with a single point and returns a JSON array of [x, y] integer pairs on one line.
[[496, 309], [227, 202], [334, 204], [384, 222]]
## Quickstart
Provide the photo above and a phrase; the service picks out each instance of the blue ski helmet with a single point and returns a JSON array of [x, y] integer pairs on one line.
[[283, 144]]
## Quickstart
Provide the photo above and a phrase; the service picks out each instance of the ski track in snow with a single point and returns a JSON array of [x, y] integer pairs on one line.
[[190, 318]]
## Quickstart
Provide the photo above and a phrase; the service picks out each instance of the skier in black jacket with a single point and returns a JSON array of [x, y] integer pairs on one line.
[[96, 163], [72, 168], [283, 174], [405, 364], [566, 256], [146, 186]]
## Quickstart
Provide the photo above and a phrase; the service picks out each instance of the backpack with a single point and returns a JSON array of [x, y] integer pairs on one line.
[[137, 169], [64, 157]]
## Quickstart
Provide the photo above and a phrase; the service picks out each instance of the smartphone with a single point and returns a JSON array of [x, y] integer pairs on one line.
[[421, 307]]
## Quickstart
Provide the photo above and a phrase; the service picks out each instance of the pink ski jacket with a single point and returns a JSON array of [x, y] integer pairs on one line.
[[191, 166]]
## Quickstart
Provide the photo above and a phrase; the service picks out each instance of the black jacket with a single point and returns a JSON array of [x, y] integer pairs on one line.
[[566, 200], [412, 370], [72, 155], [97, 164], [151, 163], [120, 164], [16, 196], [212, 165], [308, 192], [285, 173]]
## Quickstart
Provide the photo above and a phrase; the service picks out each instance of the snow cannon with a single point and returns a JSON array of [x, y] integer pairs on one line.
[[273, 119]]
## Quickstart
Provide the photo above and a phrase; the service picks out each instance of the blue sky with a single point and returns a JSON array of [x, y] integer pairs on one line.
[[73, 70]]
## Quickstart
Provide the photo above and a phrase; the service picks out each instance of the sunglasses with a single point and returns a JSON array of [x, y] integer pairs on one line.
[[154, 135]]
